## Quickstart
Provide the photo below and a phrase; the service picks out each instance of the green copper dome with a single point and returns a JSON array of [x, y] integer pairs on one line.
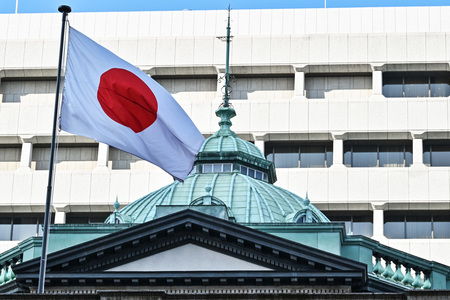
[[229, 174], [225, 140], [250, 200]]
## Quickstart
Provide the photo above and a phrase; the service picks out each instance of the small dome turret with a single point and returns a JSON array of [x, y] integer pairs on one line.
[[225, 147]]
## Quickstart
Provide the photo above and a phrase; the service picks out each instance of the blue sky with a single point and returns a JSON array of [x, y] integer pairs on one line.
[[39, 6]]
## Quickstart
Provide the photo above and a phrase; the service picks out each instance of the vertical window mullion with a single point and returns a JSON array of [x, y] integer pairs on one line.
[[351, 155], [403, 86], [404, 155], [405, 221], [11, 229], [299, 162], [429, 86], [431, 155], [378, 155], [432, 226]]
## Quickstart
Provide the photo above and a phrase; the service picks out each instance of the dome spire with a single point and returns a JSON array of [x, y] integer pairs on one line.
[[225, 111], [226, 96]]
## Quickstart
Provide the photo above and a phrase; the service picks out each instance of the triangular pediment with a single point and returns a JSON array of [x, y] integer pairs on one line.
[[189, 257], [188, 248]]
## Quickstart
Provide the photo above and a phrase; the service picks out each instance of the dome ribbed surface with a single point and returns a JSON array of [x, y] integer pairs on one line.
[[229, 143], [250, 200]]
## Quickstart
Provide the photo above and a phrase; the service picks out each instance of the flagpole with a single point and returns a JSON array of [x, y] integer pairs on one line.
[[65, 10]]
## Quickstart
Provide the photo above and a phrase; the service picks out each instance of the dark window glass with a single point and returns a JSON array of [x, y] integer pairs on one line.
[[436, 153], [348, 155], [303, 155], [392, 86], [346, 219], [329, 157], [301, 219], [416, 86], [386, 154], [427, 155], [207, 168], [391, 156], [440, 155], [23, 231], [364, 156], [441, 227], [356, 222], [98, 218], [363, 225], [439, 86], [394, 226], [5, 229], [244, 170], [87, 218], [312, 156], [24, 228], [227, 167], [217, 168], [286, 157], [418, 227], [408, 155], [75, 219]]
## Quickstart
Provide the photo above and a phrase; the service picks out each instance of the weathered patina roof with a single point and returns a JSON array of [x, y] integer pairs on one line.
[[250, 200]]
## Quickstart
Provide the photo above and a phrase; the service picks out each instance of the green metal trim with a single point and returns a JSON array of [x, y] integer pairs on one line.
[[191, 191], [172, 189], [231, 190], [213, 183]]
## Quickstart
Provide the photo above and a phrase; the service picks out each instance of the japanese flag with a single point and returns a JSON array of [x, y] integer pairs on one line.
[[107, 99]]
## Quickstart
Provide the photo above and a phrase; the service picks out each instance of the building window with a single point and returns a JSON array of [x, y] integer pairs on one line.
[[20, 227], [87, 218], [356, 222], [377, 154], [318, 86], [300, 155], [436, 153], [69, 157], [417, 225], [253, 173], [416, 84], [280, 86], [217, 168], [10, 158]]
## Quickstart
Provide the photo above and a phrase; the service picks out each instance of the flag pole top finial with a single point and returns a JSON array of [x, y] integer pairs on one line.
[[64, 9]]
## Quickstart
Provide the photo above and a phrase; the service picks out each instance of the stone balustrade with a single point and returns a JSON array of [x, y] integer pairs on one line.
[[384, 267]]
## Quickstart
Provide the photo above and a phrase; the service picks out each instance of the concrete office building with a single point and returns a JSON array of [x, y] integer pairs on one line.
[[350, 104]]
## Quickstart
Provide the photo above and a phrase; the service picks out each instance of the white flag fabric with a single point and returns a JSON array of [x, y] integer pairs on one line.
[[107, 99]]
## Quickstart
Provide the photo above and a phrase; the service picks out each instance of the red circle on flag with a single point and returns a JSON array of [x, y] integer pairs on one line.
[[126, 99]]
